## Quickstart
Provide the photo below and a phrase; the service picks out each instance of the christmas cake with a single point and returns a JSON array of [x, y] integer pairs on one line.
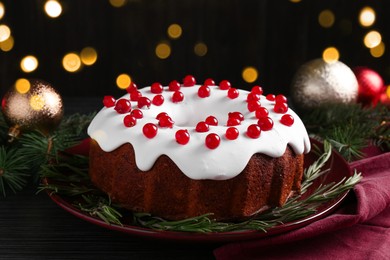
[[185, 150]]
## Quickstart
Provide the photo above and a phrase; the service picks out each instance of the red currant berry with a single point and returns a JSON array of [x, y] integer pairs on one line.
[[177, 96], [149, 130], [257, 90], [202, 127], [231, 133], [287, 120], [203, 91], [270, 97], [212, 141], [189, 81], [123, 106], [280, 108], [162, 114], [165, 121], [265, 123], [156, 88], [137, 113], [280, 99], [174, 85], [158, 100], [209, 82], [237, 115], [253, 131], [129, 120], [109, 101], [261, 112], [144, 102], [182, 136], [211, 120], [233, 121], [252, 97], [225, 85], [253, 105], [132, 87], [135, 95], [233, 93]]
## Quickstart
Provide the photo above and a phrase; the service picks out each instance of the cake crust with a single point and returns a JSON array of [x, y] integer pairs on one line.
[[166, 192]]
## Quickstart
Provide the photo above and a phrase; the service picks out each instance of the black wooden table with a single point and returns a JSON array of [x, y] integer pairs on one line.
[[32, 226]]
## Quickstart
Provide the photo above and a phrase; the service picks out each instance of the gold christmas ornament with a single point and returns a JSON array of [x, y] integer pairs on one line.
[[317, 83], [32, 104]]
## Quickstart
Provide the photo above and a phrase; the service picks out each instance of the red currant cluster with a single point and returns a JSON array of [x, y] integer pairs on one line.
[[182, 136]]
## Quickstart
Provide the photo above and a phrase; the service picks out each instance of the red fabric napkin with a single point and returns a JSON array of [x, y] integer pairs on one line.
[[359, 229]]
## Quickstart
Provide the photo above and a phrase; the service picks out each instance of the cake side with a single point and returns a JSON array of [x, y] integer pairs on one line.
[[166, 192]]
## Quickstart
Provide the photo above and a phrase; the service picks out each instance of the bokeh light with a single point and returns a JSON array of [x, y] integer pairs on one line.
[[123, 81], [118, 3], [250, 74], [388, 91], [2, 10], [8, 44], [53, 8], [330, 55], [295, 1], [5, 32], [367, 16], [372, 39], [37, 102], [200, 49], [174, 31], [29, 63], [22, 85], [163, 50], [71, 62], [378, 50], [326, 18], [88, 56]]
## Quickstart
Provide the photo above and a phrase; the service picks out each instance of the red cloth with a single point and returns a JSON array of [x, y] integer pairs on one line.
[[359, 229]]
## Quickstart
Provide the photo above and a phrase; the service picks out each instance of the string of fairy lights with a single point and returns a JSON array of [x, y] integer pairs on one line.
[[73, 62]]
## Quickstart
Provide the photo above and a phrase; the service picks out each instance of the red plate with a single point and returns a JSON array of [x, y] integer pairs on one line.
[[337, 168]]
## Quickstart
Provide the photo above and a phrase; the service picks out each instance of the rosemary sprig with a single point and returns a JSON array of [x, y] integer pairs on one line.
[[97, 204]]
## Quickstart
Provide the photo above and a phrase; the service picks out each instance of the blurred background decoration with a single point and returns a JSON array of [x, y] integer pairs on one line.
[[98, 47]]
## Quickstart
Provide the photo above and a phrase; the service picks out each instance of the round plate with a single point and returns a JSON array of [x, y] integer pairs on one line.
[[336, 169]]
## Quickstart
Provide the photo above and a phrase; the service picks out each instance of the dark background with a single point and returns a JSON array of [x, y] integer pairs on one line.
[[274, 36]]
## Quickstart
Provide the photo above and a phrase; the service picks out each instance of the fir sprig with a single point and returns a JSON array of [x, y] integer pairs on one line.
[[350, 127], [13, 170], [97, 204]]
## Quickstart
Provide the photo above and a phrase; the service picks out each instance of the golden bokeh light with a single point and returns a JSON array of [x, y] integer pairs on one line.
[[2, 10], [5, 32], [330, 55], [174, 31], [378, 50], [372, 39], [37, 102], [163, 50], [367, 16], [29, 63], [22, 86], [326, 18], [88, 56], [8, 44], [295, 1], [123, 81], [388, 91], [71, 62], [118, 3], [53, 8], [200, 49], [250, 74]]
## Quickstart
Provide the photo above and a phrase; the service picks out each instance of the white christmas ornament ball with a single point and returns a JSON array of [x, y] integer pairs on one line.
[[318, 82]]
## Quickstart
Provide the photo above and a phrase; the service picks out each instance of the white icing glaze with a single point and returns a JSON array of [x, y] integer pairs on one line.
[[194, 159]]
